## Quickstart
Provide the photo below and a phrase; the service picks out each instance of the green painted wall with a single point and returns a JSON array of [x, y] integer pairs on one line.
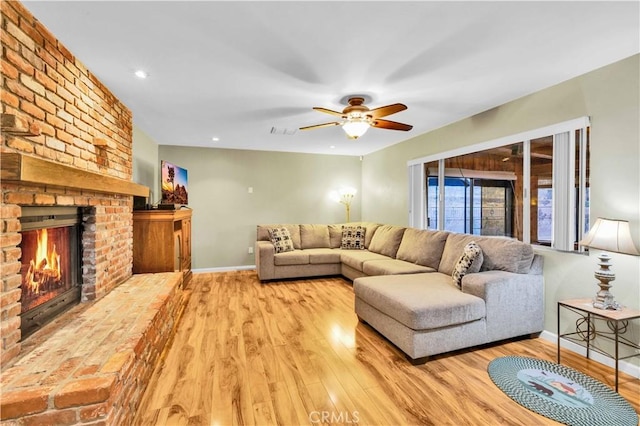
[[287, 188]]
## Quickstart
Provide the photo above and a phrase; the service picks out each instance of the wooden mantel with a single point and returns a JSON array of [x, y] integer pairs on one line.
[[17, 167]]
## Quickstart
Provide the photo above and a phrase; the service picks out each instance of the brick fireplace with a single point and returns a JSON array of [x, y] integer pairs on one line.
[[66, 141]]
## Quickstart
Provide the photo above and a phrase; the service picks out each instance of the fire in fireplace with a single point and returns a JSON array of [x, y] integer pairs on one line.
[[51, 270]]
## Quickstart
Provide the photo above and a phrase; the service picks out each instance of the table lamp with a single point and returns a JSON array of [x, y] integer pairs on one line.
[[610, 235]]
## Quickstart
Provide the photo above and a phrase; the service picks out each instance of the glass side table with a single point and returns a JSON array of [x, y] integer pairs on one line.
[[617, 323]]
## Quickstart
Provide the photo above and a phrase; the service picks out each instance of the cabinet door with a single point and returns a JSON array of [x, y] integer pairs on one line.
[[153, 249], [186, 241], [178, 250]]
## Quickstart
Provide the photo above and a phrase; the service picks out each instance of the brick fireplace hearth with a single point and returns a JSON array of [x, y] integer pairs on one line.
[[92, 364]]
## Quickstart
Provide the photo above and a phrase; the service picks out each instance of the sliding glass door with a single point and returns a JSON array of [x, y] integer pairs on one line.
[[473, 206]]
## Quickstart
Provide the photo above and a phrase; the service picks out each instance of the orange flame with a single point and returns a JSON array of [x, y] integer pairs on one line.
[[44, 260]]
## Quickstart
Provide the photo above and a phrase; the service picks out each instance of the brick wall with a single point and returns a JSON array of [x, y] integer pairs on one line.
[[43, 82]]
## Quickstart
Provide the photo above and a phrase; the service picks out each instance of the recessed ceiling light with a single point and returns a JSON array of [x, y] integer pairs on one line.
[[332, 147], [141, 74], [215, 139]]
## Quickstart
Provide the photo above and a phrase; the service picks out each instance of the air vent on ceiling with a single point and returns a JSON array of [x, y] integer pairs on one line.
[[282, 131]]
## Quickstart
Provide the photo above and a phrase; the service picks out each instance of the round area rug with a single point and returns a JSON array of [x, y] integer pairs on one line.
[[560, 393]]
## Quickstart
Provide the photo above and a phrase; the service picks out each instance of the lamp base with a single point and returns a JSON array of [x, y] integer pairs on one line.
[[610, 305], [604, 299]]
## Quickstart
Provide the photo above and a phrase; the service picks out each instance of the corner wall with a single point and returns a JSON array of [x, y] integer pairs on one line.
[[146, 165], [611, 97]]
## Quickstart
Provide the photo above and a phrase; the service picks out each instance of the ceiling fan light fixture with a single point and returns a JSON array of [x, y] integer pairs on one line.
[[354, 128], [357, 118]]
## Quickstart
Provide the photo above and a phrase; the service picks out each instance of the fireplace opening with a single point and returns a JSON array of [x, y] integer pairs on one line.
[[51, 264]]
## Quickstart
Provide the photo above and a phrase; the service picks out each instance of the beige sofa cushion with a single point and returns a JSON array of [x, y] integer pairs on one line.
[[357, 258], [422, 246], [371, 228], [393, 267], [335, 235], [314, 236], [386, 240], [505, 254], [420, 301], [500, 253], [296, 257], [453, 249], [320, 256], [294, 231]]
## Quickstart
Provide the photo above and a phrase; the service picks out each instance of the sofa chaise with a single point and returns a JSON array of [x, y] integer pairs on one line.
[[428, 292]]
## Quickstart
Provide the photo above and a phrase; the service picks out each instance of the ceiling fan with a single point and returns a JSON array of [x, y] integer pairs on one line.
[[357, 118]]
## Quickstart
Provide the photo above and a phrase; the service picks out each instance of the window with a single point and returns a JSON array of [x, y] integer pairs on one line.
[[541, 184], [544, 215], [531, 186]]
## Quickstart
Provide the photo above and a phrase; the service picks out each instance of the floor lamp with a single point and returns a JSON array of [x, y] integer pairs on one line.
[[346, 196]]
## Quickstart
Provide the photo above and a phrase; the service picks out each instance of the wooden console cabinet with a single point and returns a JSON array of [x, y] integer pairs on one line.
[[162, 241]]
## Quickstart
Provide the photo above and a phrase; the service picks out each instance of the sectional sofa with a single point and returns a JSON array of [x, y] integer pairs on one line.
[[428, 292]]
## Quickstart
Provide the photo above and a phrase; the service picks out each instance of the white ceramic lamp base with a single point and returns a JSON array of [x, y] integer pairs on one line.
[[604, 299]]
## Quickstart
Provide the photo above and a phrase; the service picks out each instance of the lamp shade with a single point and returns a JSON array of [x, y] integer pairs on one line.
[[355, 128], [347, 191], [610, 235]]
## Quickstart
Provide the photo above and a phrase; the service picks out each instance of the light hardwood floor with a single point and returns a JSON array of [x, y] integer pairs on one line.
[[294, 353]]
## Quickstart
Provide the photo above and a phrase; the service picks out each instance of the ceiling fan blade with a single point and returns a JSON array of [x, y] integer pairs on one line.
[[329, 111], [390, 125], [318, 126], [386, 110]]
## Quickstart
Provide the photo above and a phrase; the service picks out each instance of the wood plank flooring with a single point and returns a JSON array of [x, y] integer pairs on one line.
[[294, 353]]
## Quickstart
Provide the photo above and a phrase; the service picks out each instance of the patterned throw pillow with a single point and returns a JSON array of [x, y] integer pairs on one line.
[[352, 238], [281, 239], [468, 263]]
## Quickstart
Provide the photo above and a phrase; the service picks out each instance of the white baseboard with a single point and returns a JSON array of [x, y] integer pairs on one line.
[[624, 366], [224, 269]]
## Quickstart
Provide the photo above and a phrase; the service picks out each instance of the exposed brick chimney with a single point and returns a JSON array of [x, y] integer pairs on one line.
[[76, 121]]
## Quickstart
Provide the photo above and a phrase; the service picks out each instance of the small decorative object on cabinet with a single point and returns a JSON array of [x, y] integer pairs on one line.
[[162, 241]]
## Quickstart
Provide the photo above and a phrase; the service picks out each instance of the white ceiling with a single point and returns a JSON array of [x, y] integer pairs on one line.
[[235, 69]]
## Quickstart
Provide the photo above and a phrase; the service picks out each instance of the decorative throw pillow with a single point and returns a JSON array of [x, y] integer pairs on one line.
[[469, 262], [281, 239], [352, 238]]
